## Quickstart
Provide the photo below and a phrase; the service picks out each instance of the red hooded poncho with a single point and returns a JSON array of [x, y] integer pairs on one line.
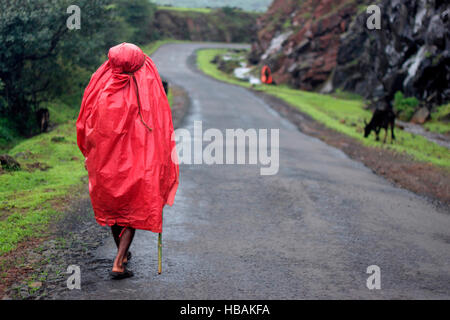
[[124, 130], [266, 75]]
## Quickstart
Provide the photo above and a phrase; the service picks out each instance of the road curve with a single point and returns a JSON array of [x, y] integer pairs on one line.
[[309, 232]]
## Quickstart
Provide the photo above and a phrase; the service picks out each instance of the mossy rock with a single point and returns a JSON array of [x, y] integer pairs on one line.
[[8, 163]]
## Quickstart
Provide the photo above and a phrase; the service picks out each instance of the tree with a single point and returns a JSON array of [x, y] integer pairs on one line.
[[138, 14], [39, 54]]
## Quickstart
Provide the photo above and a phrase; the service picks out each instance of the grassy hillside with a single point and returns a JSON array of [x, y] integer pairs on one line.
[[343, 115], [51, 165], [203, 24], [440, 120], [248, 5]]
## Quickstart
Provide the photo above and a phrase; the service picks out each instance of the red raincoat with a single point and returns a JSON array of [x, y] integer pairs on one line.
[[266, 75], [124, 130]]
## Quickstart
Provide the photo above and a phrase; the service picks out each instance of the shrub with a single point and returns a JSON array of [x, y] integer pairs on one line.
[[405, 106], [442, 113]]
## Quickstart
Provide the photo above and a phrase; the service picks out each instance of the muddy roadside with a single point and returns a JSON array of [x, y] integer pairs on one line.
[[402, 170], [37, 269]]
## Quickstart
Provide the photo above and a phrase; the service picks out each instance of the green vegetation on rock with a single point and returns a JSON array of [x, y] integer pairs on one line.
[[405, 106], [440, 120]]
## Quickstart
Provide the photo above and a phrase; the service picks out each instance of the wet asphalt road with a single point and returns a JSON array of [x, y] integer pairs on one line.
[[309, 232]]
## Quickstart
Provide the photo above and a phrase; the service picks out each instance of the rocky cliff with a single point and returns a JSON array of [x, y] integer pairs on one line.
[[410, 53], [324, 45], [300, 39], [223, 25]]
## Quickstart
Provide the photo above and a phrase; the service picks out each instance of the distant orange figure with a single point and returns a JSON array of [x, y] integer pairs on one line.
[[266, 75]]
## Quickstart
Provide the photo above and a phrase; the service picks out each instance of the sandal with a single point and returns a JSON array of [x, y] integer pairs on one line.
[[121, 275]]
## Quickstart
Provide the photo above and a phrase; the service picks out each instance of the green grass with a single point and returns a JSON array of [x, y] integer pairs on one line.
[[442, 112], [170, 97], [343, 115], [31, 200], [26, 205], [61, 113], [438, 122], [438, 127], [61, 110]]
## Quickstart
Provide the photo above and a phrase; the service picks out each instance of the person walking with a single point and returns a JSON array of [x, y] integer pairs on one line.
[[125, 132]]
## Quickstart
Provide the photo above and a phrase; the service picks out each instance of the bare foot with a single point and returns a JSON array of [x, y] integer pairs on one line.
[[118, 267]]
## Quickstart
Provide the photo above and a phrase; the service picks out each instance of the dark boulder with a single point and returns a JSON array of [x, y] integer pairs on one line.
[[421, 116], [8, 163]]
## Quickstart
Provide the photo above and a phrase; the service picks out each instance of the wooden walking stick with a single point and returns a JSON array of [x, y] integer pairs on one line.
[[160, 251]]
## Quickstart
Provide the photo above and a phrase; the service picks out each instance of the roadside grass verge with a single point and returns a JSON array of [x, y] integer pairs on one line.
[[34, 197], [343, 115], [440, 120], [437, 127], [170, 97]]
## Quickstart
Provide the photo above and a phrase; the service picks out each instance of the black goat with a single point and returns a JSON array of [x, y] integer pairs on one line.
[[381, 119]]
